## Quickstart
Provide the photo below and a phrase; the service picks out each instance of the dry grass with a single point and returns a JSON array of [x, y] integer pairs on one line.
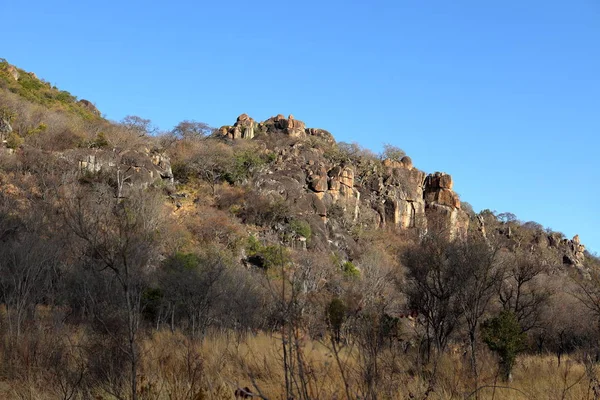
[[175, 367]]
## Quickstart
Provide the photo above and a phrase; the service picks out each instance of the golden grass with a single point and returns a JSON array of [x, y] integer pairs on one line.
[[174, 367]]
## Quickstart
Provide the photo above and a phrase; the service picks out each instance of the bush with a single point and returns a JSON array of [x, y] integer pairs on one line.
[[336, 314], [301, 228], [245, 163], [504, 336], [100, 141], [350, 270], [13, 141], [266, 256]]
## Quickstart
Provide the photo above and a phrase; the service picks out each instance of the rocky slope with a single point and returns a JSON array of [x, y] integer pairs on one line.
[[333, 194]]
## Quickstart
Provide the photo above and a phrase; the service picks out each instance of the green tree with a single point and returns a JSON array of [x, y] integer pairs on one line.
[[336, 314], [504, 336]]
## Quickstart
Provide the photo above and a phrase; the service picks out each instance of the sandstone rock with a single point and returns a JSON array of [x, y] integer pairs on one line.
[[296, 128], [445, 197], [393, 164], [318, 182], [439, 180]]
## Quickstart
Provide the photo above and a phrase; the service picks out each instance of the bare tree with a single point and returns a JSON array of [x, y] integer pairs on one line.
[[192, 130], [434, 286], [118, 238], [138, 125], [477, 263], [521, 292]]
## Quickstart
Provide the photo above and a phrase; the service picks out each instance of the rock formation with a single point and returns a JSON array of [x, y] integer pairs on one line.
[[12, 70], [244, 128], [388, 193], [247, 128], [135, 168], [90, 106]]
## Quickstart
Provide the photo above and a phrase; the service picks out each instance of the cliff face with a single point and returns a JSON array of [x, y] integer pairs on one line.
[[373, 192]]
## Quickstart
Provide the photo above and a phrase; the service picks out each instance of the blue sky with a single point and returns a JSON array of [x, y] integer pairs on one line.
[[503, 95]]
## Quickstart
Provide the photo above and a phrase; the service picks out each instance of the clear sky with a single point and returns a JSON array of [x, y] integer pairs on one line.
[[503, 95]]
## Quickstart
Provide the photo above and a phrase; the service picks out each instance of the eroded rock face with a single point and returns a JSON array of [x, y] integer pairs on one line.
[[573, 251], [443, 205], [244, 128], [390, 193], [133, 168]]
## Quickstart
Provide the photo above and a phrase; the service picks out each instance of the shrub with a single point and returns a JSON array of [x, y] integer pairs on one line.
[[263, 211], [301, 228], [266, 256], [13, 140], [336, 314], [245, 163], [350, 270], [186, 261], [504, 336], [100, 141]]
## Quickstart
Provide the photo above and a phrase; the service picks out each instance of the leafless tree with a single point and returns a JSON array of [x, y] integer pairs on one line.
[[434, 286], [118, 239], [521, 292], [476, 262]]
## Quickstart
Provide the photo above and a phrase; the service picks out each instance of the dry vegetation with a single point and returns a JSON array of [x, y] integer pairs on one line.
[[193, 289]]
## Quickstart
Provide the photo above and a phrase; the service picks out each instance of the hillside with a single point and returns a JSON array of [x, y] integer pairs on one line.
[[128, 256]]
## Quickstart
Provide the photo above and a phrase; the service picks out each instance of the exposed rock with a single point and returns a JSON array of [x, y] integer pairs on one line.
[[407, 161], [398, 194], [135, 168], [12, 70], [318, 181], [289, 126], [321, 133], [88, 104], [573, 251], [244, 128], [443, 205]]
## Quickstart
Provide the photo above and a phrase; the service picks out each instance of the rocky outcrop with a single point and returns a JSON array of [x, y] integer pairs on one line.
[[443, 206], [90, 106], [133, 168], [572, 251], [247, 128], [290, 126], [320, 133], [244, 128], [387, 193], [13, 71]]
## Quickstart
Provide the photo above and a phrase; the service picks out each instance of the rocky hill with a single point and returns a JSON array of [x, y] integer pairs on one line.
[[335, 192], [128, 255]]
